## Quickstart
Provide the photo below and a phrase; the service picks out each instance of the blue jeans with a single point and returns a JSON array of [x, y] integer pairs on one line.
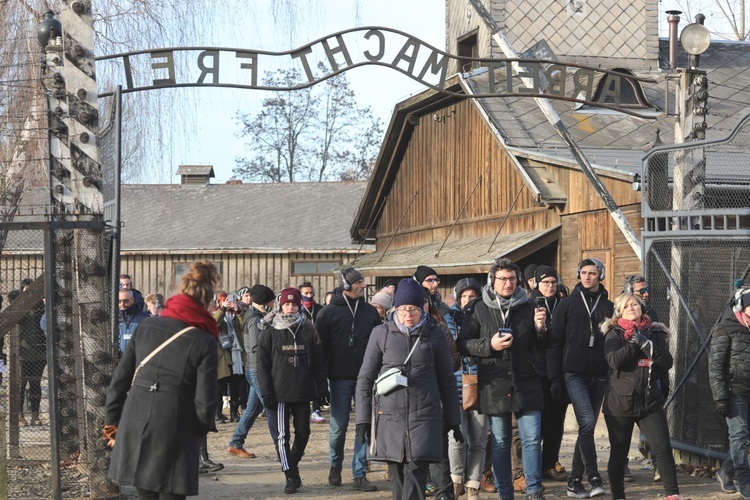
[[737, 422], [342, 395], [586, 394], [253, 409], [529, 424]]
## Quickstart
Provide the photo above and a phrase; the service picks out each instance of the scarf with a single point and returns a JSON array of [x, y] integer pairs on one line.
[[282, 321], [518, 298], [236, 347], [184, 308], [407, 330], [631, 326], [743, 318]]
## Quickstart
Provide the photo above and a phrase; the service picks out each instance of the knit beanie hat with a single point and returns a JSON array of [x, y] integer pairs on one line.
[[348, 276], [290, 295], [409, 292], [382, 299], [262, 294], [422, 272], [528, 273], [467, 284], [242, 291], [544, 272]]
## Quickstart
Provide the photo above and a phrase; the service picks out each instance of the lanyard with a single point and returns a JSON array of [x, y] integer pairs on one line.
[[295, 360], [354, 317], [505, 315], [554, 306], [591, 311]]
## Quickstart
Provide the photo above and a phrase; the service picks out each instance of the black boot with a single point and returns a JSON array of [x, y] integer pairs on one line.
[[205, 463], [220, 418], [234, 416], [291, 484]]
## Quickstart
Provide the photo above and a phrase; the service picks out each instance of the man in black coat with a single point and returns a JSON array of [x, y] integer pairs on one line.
[[344, 327], [502, 328], [577, 359]]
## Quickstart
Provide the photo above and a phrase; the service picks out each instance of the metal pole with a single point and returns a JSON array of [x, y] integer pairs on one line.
[[116, 224], [554, 119], [52, 368]]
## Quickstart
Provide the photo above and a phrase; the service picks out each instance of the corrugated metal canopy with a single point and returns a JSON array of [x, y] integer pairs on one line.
[[465, 256]]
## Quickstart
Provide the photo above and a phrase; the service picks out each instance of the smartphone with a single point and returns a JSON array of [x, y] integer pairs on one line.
[[504, 331], [541, 302]]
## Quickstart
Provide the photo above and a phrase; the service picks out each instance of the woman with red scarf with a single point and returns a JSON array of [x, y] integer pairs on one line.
[[637, 354], [156, 421]]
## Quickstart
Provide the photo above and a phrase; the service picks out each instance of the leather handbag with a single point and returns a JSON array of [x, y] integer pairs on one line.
[[469, 392]]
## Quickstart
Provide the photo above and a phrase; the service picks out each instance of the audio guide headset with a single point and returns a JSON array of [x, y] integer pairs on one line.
[[346, 286], [738, 298], [599, 265]]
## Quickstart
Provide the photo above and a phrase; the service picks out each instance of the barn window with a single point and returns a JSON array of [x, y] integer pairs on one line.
[[314, 267]]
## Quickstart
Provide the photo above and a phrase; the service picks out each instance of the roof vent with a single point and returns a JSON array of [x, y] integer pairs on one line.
[[195, 175]]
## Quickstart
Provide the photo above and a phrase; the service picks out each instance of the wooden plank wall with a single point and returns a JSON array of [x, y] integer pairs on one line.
[[155, 273], [15, 267]]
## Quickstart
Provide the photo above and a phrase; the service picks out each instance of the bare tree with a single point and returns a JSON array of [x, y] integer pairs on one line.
[[312, 134], [727, 18]]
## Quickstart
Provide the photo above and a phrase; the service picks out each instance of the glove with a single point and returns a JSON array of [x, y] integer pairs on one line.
[[108, 435], [457, 434], [555, 389], [639, 339], [722, 408], [269, 401], [324, 399], [363, 432]]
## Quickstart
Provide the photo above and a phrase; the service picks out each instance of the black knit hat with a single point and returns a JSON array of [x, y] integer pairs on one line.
[[349, 276], [467, 284], [262, 294], [422, 272], [528, 273], [544, 272]]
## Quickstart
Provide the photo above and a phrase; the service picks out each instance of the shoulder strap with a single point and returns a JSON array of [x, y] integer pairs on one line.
[[156, 351], [412, 350]]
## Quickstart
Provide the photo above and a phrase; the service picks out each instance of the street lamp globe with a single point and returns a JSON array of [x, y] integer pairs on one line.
[[49, 28]]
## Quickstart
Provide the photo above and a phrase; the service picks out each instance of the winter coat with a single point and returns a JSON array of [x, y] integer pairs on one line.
[[729, 358], [160, 431], [251, 334], [312, 313], [334, 325], [225, 355], [32, 341], [468, 363], [408, 422], [129, 320], [508, 380], [277, 375], [540, 355], [634, 388], [577, 342]]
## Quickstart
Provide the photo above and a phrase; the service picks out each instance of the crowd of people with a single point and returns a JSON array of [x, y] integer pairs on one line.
[[527, 346]]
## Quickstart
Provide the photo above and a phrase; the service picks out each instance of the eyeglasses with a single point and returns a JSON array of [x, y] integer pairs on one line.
[[432, 280], [643, 290], [411, 311], [126, 301], [548, 282], [504, 279]]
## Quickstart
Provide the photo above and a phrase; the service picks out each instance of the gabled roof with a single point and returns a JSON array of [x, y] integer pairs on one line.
[[294, 217]]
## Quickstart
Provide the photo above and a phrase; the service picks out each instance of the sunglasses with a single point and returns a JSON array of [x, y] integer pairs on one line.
[[643, 291]]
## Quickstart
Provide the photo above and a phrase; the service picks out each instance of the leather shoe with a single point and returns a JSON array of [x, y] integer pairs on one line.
[[519, 483], [488, 481], [240, 452], [553, 475]]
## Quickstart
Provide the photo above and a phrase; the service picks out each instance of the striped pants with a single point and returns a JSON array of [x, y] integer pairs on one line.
[[291, 453]]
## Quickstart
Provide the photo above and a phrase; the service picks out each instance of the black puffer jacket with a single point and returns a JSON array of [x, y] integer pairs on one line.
[[506, 382], [334, 325], [634, 389], [729, 358], [578, 344]]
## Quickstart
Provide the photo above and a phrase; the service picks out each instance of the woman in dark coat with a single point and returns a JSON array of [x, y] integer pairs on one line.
[[157, 424], [637, 354], [406, 424]]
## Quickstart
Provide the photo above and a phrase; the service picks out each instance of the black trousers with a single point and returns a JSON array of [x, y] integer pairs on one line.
[[654, 427], [553, 426], [291, 454], [440, 473], [31, 374], [408, 480]]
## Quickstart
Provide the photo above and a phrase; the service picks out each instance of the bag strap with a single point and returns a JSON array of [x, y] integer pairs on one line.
[[157, 350], [412, 350]]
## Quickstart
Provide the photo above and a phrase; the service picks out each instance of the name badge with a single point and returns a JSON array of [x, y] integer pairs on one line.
[[644, 363]]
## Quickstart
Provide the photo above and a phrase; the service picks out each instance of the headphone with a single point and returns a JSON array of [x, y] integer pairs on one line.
[[639, 300], [599, 265], [346, 286], [738, 298], [491, 276], [630, 281]]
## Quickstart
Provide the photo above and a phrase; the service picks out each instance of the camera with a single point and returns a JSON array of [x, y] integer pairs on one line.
[[541, 302]]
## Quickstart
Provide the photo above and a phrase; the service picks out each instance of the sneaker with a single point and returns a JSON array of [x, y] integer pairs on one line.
[[334, 476], [726, 482], [657, 477], [296, 477], [429, 489], [537, 495], [595, 487], [576, 489], [240, 452], [472, 493], [519, 483], [317, 418], [627, 475], [554, 475], [291, 486], [362, 484]]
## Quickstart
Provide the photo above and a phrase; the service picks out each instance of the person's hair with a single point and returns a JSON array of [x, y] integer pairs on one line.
[[623, 299], [504, 263], [127, 291], [123, 276], [305, 284], [200, 280], [155, 298]]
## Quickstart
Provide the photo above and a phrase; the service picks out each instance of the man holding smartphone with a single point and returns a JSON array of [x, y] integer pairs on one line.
[[502, 328]]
